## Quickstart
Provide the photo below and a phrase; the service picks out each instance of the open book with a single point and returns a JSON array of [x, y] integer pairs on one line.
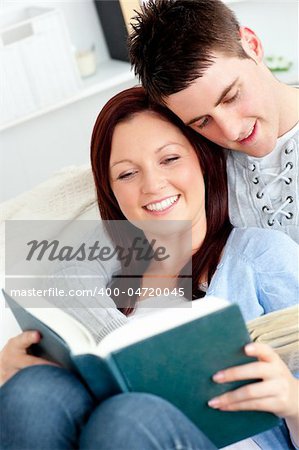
[[280, 329], [172, 354]]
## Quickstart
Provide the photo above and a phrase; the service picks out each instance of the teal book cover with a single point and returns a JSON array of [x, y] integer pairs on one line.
[[178, 365]]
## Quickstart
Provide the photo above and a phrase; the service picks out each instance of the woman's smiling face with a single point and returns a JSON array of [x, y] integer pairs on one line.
[[155, 173]]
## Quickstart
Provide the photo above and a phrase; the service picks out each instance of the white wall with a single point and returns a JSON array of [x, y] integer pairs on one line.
[[81, 19], [31, 151], [275, 21], [276, 24]]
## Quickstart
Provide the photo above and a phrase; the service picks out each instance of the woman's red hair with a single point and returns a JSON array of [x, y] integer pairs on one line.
[[212, 162]]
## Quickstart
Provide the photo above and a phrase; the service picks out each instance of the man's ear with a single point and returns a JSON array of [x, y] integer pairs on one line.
[[251, 44]]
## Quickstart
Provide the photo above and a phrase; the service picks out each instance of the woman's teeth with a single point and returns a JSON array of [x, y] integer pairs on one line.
[[160, 206]]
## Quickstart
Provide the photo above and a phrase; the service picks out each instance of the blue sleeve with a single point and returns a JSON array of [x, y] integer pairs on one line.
[[277, 271]]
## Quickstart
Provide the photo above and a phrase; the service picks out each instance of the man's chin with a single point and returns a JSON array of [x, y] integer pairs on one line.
[[256, 151]]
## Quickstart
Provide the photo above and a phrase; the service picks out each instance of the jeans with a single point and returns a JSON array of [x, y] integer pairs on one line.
[[47, 408]]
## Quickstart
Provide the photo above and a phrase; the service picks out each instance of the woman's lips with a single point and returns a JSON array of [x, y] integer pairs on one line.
[[157, 212]]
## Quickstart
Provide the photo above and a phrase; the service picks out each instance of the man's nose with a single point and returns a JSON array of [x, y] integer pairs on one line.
[[229, 126]]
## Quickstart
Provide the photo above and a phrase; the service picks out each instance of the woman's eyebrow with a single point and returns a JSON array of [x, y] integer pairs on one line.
[[121, 161], [156, 151], [166, 145]]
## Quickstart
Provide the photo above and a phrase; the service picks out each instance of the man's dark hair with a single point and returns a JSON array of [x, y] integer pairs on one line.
[[173, 41]]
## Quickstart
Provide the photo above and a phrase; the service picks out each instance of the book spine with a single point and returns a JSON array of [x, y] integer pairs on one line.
[[101, 376]]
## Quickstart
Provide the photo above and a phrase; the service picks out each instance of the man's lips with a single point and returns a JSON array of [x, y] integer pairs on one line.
[[250, 135]]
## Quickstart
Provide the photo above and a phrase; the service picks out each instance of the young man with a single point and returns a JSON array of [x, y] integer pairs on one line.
[[193, 56]]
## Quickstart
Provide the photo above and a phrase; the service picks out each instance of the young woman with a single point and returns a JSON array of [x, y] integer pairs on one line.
[[149, 168]]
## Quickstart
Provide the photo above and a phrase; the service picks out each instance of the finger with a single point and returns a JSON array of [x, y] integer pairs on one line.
[[28, 360], [25, 339], [246, 393], [262, 404], [261, 351], [255, 370]]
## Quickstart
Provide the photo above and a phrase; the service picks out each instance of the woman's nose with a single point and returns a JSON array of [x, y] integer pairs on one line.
[[153, 182]]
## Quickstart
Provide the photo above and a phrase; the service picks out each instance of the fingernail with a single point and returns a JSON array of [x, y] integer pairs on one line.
[[219, 376], [35, 335], [214, 402]]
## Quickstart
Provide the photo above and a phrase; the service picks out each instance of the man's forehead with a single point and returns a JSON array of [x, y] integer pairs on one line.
[[206, 91], [199, 98]]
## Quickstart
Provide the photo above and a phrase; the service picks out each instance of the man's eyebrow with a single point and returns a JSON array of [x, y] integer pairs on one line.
[[221, 97], [226, 91]]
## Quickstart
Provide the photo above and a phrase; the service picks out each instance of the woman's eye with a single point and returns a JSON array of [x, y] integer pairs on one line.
[[233, 98], [126, 176], [170, 159]]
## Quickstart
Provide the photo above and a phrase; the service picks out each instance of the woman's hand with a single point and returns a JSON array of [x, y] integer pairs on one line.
[[277, 392], [14, 356]]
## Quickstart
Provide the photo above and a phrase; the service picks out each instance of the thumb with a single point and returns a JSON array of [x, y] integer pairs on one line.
[[28, 338]]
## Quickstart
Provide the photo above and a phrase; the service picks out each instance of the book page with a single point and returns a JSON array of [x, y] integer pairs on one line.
[[72, 332], [157, 322], [280, 330]]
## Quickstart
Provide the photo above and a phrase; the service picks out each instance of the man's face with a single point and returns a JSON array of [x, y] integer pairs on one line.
[[233, 105]]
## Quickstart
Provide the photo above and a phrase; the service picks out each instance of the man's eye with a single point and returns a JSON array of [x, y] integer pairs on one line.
[[202, 123], [170, 159], [233, 98], [126, 176]]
